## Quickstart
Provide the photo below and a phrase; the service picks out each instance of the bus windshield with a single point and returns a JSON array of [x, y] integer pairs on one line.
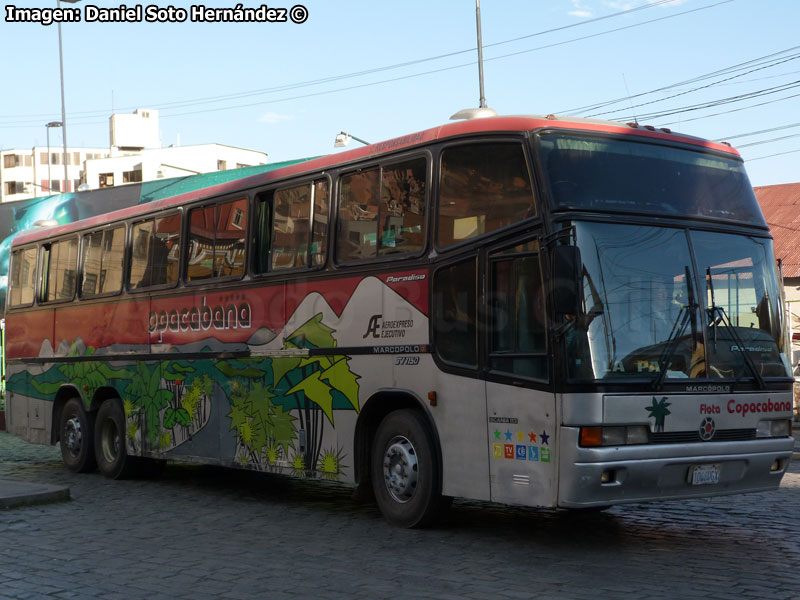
[[602, 174], [646, 313]]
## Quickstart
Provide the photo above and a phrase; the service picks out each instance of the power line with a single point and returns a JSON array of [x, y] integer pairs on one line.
[[761, 68], [196, 102], [749, 160], [741, 135]]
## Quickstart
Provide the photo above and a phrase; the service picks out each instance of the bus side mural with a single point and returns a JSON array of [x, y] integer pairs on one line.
[[280, 399]]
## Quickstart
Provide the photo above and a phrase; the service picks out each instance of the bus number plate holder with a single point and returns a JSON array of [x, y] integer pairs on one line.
[[704, 474]]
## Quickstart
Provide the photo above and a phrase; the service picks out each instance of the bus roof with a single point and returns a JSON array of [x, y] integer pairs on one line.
[[501, 124]]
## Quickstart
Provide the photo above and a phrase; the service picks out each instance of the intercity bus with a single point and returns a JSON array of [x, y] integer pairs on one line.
[[539, 311]]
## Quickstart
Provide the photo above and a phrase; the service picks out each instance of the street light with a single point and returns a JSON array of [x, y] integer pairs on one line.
[[342, 139], [48, 126], [63, 107]]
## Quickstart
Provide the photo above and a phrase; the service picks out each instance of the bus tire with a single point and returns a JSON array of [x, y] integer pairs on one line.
[[76, 437], [405, 472], [109, 441]]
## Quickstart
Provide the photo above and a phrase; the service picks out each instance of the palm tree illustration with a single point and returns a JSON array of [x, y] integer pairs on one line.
[[659, 412]]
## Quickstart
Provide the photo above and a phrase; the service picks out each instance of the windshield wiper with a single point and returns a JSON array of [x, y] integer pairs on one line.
[[725, 320], [687, 314]]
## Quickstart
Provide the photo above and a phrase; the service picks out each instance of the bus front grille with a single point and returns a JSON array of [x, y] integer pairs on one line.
[[690, 437]]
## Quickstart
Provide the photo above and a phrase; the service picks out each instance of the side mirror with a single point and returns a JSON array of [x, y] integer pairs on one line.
[[567, 270]]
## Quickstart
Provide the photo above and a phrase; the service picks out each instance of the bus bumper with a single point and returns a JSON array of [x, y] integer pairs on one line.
[[592, 477]]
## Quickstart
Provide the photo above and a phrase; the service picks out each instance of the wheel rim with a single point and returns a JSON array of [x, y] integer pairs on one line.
[[400, 469], [109, 441], [73, 436]]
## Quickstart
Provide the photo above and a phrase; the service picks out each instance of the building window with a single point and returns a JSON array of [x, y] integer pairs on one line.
[[10, 161], [28, 160], [15, 187], [76, 158], [43, 158], [131, 176], [55, 158], [222, 165], [75, 183], [241, 166], [106, 180], [55, 185]]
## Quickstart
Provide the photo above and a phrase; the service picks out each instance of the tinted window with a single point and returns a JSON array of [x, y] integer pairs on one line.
[[483, 187], [23, 277], [517, 314], [155, 252], [455, 313], [103, 254], [382, 211], [61, 260], [292, 228], [217, 240], [604, 174], [357, 235]]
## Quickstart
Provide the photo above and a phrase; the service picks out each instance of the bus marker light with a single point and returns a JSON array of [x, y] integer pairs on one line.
[[432, 398], [608, 477], [591, 436], [776, 466]]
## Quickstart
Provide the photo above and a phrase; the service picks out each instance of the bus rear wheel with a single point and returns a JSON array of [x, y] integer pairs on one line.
[[404, 470], [76, 437], [109, 441]]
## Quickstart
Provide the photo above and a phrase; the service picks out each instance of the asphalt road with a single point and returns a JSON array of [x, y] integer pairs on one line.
[[206, 533]]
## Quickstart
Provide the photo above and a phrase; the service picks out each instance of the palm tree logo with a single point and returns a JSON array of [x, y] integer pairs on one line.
[[659, 412]]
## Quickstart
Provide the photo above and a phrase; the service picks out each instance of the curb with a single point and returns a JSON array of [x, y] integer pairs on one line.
[[14, 494]]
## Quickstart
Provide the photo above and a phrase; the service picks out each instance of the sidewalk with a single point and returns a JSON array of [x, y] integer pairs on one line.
[[14, 492]]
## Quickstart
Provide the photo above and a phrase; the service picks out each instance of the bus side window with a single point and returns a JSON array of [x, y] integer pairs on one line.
[[263, 230], [517, 314], [455, 290], [217, 235], [230, 237], [139, 276], [484, 187], [319, 234], [357, 235], [23, 277], [290, 227], [60, 265], [402, 214]]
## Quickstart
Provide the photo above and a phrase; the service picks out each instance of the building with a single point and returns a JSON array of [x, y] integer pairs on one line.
[[39, 171], [123, 167], [781, 207], [134, 155]]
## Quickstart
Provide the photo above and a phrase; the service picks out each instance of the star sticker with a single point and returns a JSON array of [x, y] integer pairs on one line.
[[508, 435], [545, 438], [520, 436], [532, 437], [497, 434]]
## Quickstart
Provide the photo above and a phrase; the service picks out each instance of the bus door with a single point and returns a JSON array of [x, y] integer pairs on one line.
[[520, 402]]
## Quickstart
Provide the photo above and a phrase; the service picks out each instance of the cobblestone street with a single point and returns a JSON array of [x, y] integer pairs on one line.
[[207, 533]]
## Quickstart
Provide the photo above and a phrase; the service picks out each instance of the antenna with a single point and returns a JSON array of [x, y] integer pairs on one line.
[[480, 51], [483, 110], [627, 91]]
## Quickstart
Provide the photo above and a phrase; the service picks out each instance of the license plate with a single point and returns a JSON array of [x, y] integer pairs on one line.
[[704, 474]]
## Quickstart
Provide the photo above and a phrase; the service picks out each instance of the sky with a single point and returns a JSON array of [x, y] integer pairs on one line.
[[724, 69]]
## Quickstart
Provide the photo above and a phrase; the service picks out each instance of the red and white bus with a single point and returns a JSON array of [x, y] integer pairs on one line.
[[530, 310]]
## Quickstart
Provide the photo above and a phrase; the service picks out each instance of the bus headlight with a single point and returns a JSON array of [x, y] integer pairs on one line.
[[774, 428], [614, 436]]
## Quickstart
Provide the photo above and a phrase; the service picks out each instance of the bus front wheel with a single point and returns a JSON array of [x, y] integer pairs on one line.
[[76, 437], [405, 473], [109, 441]]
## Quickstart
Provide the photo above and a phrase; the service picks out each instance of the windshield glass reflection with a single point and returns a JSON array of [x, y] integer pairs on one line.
[[642, 318]]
